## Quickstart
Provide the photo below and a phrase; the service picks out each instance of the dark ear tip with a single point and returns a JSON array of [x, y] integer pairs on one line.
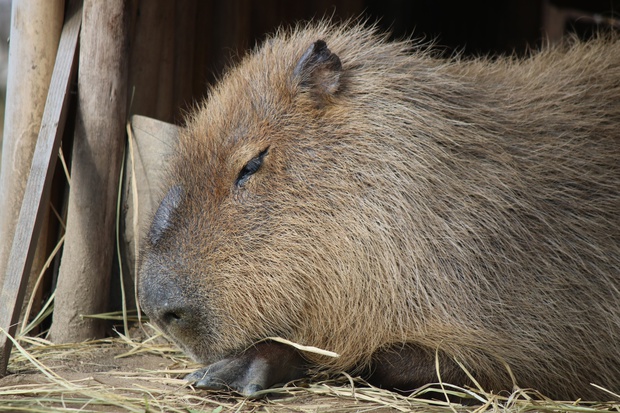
[[308, 57], [318, 65], [320, 46]]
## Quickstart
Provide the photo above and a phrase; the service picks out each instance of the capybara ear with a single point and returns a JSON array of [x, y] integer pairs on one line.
[[163, 216], [319, 70]]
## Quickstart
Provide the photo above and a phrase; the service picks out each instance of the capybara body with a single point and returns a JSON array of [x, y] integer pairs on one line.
[[366, 197]]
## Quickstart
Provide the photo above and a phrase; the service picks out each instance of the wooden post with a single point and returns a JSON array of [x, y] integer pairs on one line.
[[35, 31], [39, 180], [84, 278]]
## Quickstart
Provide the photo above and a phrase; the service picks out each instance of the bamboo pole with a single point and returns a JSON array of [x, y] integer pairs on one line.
[[35, 31], [84, 278]]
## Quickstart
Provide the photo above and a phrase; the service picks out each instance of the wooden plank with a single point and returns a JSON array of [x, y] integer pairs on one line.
[[36, 26], [99, 139], [43, 164], [152, 74]]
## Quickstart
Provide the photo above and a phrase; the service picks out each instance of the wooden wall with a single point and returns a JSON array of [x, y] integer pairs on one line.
[[179, 47]]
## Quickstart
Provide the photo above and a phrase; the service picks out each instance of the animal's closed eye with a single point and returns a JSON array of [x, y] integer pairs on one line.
[[250, 168]]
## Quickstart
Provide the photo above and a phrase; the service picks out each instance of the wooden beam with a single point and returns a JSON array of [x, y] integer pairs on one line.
[[35, 33], [99, 139], [43, 164]]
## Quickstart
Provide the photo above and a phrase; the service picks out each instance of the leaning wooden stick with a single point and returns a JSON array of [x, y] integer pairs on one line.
[[37, 187]]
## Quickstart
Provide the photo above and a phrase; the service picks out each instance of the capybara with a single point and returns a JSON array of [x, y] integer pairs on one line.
[[370, 198]]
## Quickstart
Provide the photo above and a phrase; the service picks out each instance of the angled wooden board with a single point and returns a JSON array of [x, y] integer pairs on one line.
[[39, 180]]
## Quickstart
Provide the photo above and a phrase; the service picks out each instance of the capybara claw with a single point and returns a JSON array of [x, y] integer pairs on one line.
[[210, 383], [201, 379], [228, 377]]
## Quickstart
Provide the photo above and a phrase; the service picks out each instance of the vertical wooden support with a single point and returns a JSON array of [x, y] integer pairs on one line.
[[84, 278], [39, 179], [35, 31]]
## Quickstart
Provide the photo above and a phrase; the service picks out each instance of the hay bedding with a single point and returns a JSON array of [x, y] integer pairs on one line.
[[144, 374]]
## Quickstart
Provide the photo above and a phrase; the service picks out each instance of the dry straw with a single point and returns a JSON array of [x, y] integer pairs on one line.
[[47, 383]]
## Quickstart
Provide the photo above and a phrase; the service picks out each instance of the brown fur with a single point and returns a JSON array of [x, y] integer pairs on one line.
[[470, 206]]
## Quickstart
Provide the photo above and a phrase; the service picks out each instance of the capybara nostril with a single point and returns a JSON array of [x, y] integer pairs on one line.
[[171, 316], [174, 315], [170, 311]]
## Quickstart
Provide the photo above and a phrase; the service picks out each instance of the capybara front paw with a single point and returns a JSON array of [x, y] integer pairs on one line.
[[258, 368], [238, 374]]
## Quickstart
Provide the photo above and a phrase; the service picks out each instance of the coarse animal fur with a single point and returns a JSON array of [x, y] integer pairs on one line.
[[465, 206]]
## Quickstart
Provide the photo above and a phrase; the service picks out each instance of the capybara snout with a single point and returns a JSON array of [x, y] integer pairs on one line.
[[365, 197]]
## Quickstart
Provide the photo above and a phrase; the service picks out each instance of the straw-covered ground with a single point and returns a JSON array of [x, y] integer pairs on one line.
[[143, 372]]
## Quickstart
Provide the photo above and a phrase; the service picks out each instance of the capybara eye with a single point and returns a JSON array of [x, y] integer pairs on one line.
[[250, 168]]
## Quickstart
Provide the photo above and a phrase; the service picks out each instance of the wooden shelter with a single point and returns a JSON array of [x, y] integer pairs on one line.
[[78, 71]]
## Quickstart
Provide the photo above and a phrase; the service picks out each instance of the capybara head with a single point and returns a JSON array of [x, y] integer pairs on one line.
[[350, 193]]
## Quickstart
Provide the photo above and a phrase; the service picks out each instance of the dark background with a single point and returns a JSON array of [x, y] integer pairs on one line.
[[203, 37]]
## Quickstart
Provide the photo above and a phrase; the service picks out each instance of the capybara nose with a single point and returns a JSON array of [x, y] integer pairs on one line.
[[164, 302]]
